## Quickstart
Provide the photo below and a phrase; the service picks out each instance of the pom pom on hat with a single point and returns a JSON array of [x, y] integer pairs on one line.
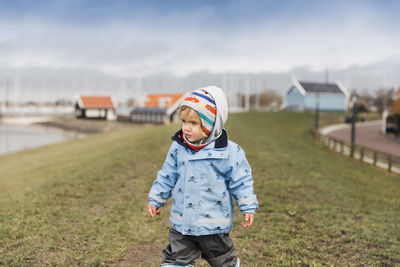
[[204, 104]]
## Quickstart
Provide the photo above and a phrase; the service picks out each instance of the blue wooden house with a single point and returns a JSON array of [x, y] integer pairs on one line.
[[305, 95]]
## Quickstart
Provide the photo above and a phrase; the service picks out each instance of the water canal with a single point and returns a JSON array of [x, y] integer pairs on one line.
[[19, 137]]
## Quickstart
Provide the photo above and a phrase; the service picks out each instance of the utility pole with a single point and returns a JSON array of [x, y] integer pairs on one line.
[[316, 121], [353, 128], [327, 75], [225, 87], [247, 95], [5, 101]]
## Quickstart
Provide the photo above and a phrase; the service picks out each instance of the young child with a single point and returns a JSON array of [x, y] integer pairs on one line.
[[203, 169]]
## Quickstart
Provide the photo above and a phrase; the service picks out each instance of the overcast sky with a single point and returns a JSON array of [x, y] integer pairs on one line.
[[136, 38], [125, 37]]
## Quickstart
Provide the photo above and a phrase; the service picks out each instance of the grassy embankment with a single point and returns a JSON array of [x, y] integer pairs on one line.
[[84, 202]]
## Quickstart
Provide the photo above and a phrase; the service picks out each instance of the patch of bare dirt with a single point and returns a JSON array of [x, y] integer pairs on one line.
[[142, 255]]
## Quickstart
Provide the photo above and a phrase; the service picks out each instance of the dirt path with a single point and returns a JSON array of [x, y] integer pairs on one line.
[[369, 135]]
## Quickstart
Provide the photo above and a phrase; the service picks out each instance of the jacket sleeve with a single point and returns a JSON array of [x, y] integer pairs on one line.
[[241, 182], [166, 179]]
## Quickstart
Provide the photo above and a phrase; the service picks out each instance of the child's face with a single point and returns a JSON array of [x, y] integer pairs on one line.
[[191, 125]]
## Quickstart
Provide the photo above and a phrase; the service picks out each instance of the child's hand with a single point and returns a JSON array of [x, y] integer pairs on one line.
[[153, 211], [248, 219]]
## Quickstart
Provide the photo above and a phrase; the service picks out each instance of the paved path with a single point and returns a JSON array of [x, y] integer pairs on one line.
[[368, 135]]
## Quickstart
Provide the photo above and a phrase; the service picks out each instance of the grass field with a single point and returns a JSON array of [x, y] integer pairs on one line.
[[83, 203]]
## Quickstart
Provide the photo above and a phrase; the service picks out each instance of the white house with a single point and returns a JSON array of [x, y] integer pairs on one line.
[[95, 107]]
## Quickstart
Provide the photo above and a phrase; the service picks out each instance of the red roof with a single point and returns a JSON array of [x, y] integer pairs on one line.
[[96, 102], [162, 100]]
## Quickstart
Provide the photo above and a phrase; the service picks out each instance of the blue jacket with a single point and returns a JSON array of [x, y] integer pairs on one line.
[[201, 185]]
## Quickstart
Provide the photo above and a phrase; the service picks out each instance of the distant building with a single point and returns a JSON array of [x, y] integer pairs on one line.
[[95, 107], [124, 112], [304, 96], [392, 119], [161, 108], [363, 106], [396, 104]]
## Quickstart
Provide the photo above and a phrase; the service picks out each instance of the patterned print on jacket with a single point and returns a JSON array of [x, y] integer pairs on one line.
[[202, 185]]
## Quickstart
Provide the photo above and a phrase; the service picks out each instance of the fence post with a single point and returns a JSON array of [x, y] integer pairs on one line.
[[390, 163], [375, 157], [353, 128]]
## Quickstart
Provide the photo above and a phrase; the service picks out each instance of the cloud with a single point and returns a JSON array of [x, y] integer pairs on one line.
[[130, 38]]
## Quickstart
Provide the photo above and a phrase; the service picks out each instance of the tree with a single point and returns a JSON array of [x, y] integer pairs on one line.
[[384, 99]]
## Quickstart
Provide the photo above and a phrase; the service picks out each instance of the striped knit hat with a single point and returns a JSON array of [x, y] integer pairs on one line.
[[203, 103]]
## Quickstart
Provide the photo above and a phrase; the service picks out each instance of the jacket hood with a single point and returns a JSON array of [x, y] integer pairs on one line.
[[222, 111]]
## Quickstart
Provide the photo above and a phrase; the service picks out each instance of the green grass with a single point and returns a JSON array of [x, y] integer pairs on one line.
[[83, 203]]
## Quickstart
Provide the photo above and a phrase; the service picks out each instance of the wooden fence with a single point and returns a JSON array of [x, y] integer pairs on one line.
[[364, 154]]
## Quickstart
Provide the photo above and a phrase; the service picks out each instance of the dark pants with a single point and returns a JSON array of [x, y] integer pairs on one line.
[[217, 249]]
